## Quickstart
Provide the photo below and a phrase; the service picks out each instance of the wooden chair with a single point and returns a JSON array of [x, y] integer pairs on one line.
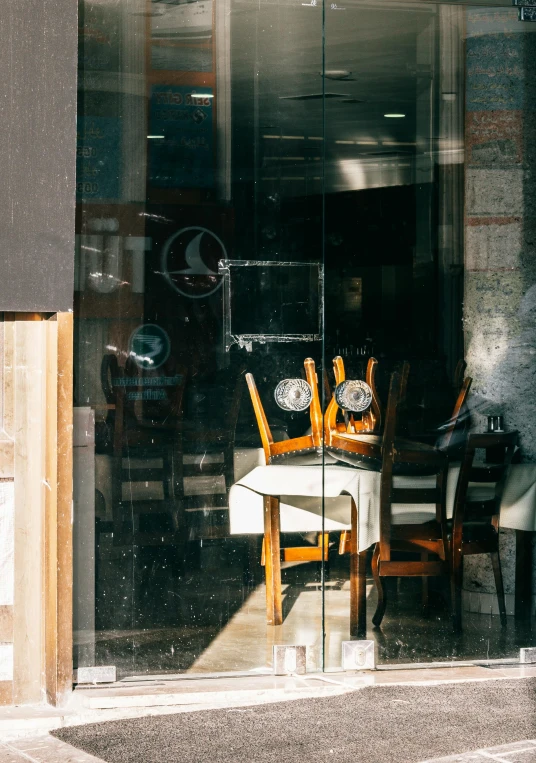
[[475, 522], [371, 419], [147, 449], [459, 375], [280, 453], [362, 449], [446, 442], [208, 440], [370, 422], [453, 435], [404, 458], [393, 457]]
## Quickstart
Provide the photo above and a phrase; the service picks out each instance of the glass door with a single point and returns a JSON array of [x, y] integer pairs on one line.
[[263, 188], [199, 260], [428, 199]]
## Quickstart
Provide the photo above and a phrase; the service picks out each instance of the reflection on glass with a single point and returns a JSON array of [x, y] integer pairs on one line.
[[247, 200], [179, 184]]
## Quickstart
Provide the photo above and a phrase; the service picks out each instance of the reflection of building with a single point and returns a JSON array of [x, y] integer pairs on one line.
[[214, 117], [181, 20]]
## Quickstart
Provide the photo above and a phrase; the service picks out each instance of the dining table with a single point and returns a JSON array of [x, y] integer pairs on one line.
[[320, 494]]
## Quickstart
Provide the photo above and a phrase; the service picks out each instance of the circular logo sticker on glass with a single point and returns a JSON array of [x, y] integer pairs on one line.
[[190, 262], [293, 395], [149, 346]]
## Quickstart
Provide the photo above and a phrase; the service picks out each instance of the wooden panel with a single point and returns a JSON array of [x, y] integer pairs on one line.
[[7, 459], [6, 400], [36, 411], [64, 510], [6, 692], [29, 422], [58, 591], [8, 376], [6, 623], [50, 592]]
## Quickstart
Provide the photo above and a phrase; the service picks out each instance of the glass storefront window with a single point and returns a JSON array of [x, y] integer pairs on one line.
[[262, 188]]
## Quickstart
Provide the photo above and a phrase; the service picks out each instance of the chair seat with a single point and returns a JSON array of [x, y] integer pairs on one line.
[[415, 516], [308, 457], [293, 455], [475, 531], [480, 493], [370, 456]]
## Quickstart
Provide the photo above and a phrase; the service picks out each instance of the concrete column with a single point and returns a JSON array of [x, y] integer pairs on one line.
[[500, 299], [500, 236]]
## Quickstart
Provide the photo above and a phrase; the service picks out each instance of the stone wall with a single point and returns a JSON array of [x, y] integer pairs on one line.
[[500, 266], [500, 240]]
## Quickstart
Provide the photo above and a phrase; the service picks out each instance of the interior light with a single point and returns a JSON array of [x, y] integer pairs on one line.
[[202, 95], [154, 137], [394, 116]]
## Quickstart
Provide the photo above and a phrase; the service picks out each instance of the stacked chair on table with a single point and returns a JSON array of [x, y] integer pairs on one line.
[[350, 400], [297, 394], [293, 395], [412, 479]]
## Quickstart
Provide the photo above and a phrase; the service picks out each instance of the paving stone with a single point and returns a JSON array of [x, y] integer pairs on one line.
[[523, 751], [43, 750]]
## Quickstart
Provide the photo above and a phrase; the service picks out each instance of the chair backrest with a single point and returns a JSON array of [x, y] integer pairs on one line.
[[459, 375], [404, 457], [371, 419], [447, 440], [482, 506], [109, 371], [315, 409], [233, 411], [404, 374], [297, 445], [326, 386], [262, 422], [387, 455]]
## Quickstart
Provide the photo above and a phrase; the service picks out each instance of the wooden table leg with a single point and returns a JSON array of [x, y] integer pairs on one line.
[[358, 582], [523, 592], [272, 566]]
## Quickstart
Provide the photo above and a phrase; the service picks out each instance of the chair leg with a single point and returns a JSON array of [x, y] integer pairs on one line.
[[456, 577], [425, 587], [497, 572], [380, 586], [272, 569], [358, 582]]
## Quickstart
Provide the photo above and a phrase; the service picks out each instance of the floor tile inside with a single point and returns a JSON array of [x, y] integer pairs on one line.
[[208, 615]]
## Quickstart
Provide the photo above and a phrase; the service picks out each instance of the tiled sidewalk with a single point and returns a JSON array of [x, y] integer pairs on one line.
[[515, 752], [44, 749]]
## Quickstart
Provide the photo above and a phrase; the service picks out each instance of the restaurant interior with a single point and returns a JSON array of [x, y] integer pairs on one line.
[[304, 311]]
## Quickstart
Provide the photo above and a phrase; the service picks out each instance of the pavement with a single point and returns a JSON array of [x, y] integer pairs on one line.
[[24, 730]]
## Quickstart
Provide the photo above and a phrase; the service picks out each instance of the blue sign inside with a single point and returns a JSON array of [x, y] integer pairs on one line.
[[181, 153], [149, 346], [98, 158]]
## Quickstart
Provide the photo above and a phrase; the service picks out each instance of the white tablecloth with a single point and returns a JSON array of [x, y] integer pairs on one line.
[[301, 487]]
